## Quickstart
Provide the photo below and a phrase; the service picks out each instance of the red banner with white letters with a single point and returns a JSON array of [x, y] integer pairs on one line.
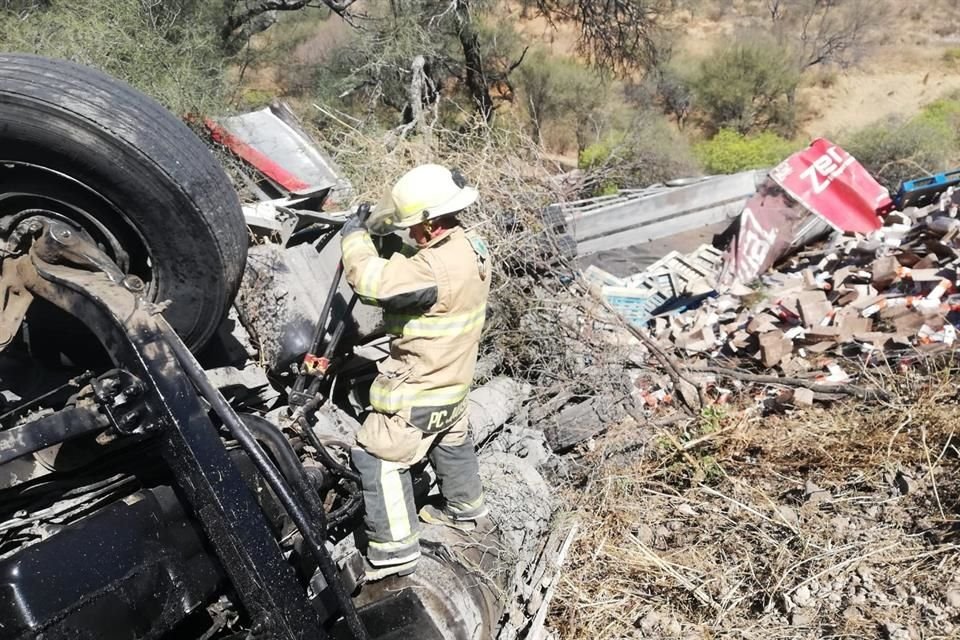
[[832, 184], [769, 223]]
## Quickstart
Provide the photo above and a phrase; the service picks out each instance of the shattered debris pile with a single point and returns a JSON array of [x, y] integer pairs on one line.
[[744, 499], [829, 311], [793, 303]]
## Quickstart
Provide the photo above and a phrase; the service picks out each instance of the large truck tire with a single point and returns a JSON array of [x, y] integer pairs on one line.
[[93, 150]]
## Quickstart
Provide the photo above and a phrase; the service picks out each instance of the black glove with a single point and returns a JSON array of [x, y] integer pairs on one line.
[[353, 224], [356, 222]]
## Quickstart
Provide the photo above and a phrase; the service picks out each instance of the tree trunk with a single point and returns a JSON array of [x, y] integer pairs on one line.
[[476, 80]]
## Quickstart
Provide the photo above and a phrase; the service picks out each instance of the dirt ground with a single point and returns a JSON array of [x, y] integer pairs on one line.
[[840, 521]]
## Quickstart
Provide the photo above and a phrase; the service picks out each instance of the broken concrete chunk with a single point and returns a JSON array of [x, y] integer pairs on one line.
[[794, 366], [908, 324], [884, 272], [814, 307], [774, 346], [699, 341], [761, 323], [803, 397]]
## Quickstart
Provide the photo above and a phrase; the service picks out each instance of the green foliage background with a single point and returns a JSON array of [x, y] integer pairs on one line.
[[169, 49], [732, 109]]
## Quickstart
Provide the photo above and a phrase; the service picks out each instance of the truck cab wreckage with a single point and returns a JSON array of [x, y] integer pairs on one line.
[[155, 484]]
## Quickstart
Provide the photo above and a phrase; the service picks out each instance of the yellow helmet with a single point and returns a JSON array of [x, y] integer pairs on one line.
[[424, 193]]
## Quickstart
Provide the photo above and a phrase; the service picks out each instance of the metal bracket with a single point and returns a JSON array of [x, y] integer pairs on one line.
[[120, 395], [14, 300]]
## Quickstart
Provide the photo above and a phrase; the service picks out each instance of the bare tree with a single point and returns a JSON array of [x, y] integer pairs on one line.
[[476, 81], [241, 15], [825, 31], [622, 35]]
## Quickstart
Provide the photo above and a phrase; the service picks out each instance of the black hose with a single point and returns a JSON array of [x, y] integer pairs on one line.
[[298, 477], [349, 509], [313, 540], [325, 456], [270, 436], [289, 465], [355, 503]]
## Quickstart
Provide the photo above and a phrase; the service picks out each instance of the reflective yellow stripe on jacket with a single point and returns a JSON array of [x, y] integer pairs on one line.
[[355, 242], [385, 400], [449, 326]]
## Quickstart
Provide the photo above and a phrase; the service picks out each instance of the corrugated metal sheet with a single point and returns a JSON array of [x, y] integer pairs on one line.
[[633, 217]]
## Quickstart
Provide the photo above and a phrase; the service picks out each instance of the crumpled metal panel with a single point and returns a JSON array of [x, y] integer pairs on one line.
[[634, 217], [273, 142], [282, 293]]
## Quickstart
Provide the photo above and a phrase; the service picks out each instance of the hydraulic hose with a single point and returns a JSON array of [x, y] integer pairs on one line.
[[349, 508], [243, 435], [292, 470], [271, 437]]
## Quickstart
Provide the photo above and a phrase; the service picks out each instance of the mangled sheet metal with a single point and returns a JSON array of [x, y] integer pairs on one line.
[[830, 182], [819, 188], [273, 142], [638, 216], [770, 225]]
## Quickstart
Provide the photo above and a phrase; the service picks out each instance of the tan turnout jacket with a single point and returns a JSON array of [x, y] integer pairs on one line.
[[435, 304]]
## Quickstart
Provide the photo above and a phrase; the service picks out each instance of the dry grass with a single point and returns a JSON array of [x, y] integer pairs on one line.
[[838, 523]]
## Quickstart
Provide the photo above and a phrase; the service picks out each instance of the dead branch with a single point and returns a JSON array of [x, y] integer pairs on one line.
[[690, 393], [862, 393]]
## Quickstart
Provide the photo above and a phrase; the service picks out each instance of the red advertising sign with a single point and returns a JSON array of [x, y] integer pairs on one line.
[[832, 184], [769, 224]]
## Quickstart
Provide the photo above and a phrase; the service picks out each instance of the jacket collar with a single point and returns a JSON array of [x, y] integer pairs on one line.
[[456, 231]]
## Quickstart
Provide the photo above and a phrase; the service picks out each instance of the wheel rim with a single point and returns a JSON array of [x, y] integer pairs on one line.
[[27, 187]]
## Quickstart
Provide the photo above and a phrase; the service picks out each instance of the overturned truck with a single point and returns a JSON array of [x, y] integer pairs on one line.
[[167, 467]]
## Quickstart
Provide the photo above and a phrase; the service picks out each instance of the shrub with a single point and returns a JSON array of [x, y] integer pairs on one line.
[[560, 89], [943, 114], [169, 50], [748, 88], [952, 55], [730, 152], [647, 153], [893, 150]]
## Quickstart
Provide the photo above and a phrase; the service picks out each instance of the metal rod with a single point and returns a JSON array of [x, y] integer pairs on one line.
[[55, 428], [248, 442], [321, 327]]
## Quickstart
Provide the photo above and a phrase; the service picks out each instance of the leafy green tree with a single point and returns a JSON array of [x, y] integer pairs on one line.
[[748, 88]]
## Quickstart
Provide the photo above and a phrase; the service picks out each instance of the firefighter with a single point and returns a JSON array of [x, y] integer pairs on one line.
[[434, 299]]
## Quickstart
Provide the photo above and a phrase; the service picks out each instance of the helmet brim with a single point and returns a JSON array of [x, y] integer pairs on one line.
[[383, 219]]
